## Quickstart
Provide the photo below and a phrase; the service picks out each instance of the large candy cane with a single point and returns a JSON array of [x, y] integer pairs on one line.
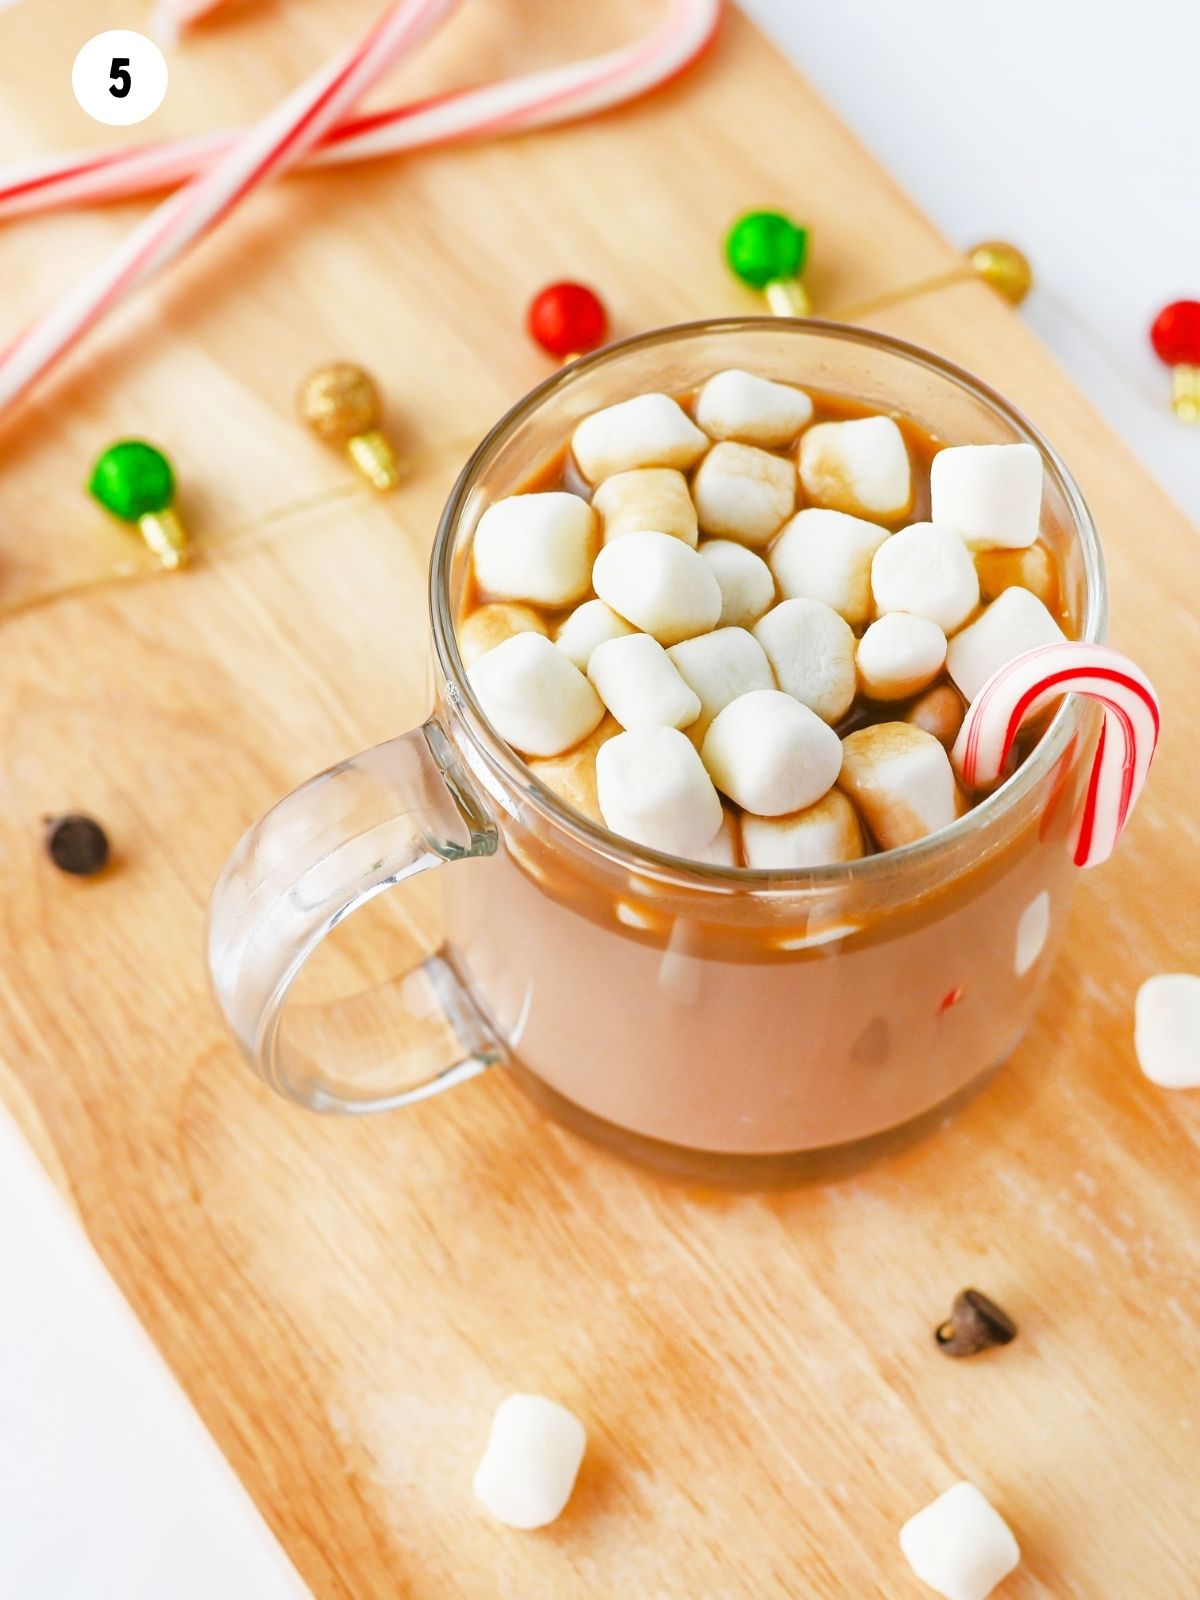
[[1125, 749], [514, 105], [282, 138]]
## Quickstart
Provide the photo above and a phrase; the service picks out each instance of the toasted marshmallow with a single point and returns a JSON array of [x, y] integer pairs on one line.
[[744, 493], [659, 585], [939, 712], [1015, 622], [651, 430], [811, 651], [821, 834], [1031, 568], [646, 500], [826, 555], [1167, 1030], [960, 1545], [861, 467], [898, 655], [719, 667], [770, 754], [536, 547], [490, 625], [747, 587], [990, 494], [654, 790], [741, 405], [534, 697], [639, 684], [591, 624], [927, 570], [534, 1452], [572, 775], [901, 780]]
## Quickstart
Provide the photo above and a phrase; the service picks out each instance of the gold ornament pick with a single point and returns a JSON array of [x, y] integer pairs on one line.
[[341, 404], [1003, 268]]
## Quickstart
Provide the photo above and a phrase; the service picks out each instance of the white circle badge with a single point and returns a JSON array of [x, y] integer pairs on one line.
[[119, 77]]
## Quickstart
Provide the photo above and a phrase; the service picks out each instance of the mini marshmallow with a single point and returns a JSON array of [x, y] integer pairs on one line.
[[960, 1545], [718, 667], [940, 712], [591, 624], [901, 780], [815, 837], [1032, 568], [861, 467], [490, 625], [770, 754], [1167, 1030], [651, 430], [741, 405], [811, 651], [654, 790], [723, 851], [990, 494], [747, 587], [536, 547], [744, 493], [639, 684], [534, 697], [826, 555], [659, 585], [1015, 622], [648, 499], [927, 570], [534, 1452], [572, 776], [898, 655]]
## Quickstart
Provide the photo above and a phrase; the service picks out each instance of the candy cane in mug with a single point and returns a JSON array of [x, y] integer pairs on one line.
[[1124, 751]]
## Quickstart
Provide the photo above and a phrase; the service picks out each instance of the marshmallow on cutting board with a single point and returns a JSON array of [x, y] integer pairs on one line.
[[591, 624], [901, 780], [752, 409], [534, 1452], [990, 494], [960, 1545], [1015, 622], [744, 493], [654, 790], [747, 587], [536, 547], [927, 570], [1167, 1030], [658, 584], [770, 754], [651, 430], [826, 555], [718, 667], [860, 466], [811, 651], [648, 499], [533, 696], [818, 836], [640, 684]]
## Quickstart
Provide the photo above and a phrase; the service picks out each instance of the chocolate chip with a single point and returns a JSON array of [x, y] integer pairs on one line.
[[976, 1323], [76, 844]]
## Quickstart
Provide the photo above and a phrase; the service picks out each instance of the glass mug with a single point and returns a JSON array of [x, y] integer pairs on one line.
[[727, 1023]]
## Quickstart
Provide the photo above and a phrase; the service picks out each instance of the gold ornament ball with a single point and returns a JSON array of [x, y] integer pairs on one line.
[[339, 402], [1003, 268]]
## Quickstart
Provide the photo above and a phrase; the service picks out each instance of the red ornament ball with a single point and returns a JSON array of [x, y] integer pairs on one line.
[[1175, 333], [567, 319]]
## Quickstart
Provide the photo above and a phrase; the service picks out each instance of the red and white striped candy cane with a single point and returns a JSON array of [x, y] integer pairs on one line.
[[514, 105], [1125, 749], [282, 138]]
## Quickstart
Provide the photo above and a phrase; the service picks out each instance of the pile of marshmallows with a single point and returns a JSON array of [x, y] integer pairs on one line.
[[757, 639]]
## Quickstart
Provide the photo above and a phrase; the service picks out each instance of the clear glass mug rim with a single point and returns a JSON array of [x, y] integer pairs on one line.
[[635, 858]]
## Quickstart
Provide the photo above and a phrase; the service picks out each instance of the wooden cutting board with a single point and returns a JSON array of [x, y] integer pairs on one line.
[[346, 1301]]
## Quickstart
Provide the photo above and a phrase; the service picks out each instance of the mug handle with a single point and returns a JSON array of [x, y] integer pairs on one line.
[[329, 847]]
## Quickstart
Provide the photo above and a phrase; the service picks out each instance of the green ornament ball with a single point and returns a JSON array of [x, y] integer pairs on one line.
[[763, 246], [132, 480]]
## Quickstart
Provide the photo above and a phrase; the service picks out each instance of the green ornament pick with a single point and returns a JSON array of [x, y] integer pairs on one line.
[[134, 481], [767, 250]]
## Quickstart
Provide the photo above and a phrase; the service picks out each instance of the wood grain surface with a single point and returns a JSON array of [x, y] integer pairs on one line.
[[346, 1301]]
